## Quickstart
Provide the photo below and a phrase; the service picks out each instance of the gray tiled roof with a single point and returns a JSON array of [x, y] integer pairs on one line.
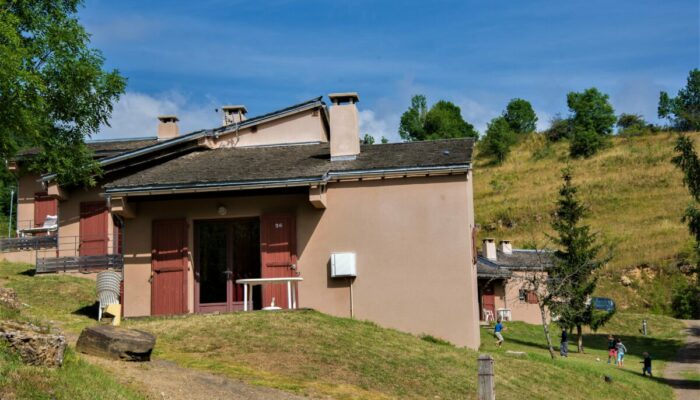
[[519, 260], [105, 148], [268, 163]]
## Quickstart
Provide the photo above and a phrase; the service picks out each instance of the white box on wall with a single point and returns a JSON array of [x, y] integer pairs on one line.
[[343, 265]]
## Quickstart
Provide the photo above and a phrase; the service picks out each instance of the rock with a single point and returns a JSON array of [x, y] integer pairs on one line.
[[116, 343], [35, 345], [8, 298], [625, 280]]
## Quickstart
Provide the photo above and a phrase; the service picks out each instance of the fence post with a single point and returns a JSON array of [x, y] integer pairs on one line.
[[486, 381]]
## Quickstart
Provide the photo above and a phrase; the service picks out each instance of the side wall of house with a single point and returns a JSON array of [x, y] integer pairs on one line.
[[28, 187], [521, 310], [69, 220], [411, 236], [298, 128]]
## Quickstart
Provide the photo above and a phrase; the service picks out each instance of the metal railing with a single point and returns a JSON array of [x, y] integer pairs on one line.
[[84, 253], [15, 240]]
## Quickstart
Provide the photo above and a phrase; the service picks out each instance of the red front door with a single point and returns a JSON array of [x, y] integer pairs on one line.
[[488, 301], [93, 229], [169, 267], [278, 255]]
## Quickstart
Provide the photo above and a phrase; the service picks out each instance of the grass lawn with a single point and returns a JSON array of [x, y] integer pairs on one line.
[[311, 353], [76, 379]]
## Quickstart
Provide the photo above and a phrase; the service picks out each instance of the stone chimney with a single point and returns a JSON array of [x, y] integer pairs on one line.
[[167, 127], [234, 114], [489, 249], [506, 246], [345, 126]]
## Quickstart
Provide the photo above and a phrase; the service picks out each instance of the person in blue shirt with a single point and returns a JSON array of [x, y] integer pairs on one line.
[[497, 332]]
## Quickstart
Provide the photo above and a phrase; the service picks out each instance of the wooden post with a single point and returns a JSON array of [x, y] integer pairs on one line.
[[486, 381]]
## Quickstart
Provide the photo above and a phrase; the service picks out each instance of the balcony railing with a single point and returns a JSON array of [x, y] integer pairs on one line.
[[85, 253], [16, 240]]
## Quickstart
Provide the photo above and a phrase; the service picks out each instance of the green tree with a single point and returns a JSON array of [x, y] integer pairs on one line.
[[384, 140], [367, 139], [592, 120], [683, 110], [499, 139], [443, 121], [559, 128], [577, 258], [53, 90], [520, 116], [687, 161], [412, 125]]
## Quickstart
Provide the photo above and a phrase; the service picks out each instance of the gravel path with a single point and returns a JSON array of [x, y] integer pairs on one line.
[[687, 360]]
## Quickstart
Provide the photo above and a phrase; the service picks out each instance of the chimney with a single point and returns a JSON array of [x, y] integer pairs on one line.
[[489, 249], [167, 127], [234, 114], [345, 127], [506, 246]]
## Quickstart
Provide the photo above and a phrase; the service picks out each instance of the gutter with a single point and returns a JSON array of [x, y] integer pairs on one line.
[[147, 190]]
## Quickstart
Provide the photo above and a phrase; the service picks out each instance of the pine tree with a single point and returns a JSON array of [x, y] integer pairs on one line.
[[575, 262]]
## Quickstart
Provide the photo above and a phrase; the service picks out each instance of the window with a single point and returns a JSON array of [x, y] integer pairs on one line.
[[528, 296]]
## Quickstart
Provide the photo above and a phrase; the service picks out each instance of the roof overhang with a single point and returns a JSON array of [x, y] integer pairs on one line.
[[201, 187]]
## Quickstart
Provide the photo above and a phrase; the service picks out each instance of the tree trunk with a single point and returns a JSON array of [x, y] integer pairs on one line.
[[580, 338], [545, 326]]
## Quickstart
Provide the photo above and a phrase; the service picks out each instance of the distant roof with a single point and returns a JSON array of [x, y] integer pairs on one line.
[[518, 260], [186, 139], [106, 147], [308, 162]]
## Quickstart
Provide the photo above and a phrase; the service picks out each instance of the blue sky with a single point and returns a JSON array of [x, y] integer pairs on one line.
[[190, 57]]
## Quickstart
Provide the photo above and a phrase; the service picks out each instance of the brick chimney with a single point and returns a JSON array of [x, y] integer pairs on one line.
[[345, 126], [234, 114], [489, 249], [506, 247], [167, 127]]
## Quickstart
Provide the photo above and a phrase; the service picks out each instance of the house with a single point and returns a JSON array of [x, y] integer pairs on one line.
[[503, 290], [278, 195]]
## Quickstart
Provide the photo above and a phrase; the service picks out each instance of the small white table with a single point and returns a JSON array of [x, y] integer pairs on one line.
[[249, 283]]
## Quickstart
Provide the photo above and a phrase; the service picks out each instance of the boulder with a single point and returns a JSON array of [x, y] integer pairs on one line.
[[36, 346], [8, 298], [116, 343]]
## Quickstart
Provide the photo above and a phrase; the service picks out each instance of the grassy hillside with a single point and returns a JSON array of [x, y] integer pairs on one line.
[[635, 194], [311, 353]]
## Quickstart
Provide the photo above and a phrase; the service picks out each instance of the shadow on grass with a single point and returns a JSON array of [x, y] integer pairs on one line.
[[686, 384], [28, 272], [88, 311], [660, 349]]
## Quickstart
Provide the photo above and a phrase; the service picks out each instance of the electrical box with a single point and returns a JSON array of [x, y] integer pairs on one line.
[[343, 265]]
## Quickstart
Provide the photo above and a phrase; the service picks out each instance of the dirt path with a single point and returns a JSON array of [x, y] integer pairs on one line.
[[687, 360], [165, 380]]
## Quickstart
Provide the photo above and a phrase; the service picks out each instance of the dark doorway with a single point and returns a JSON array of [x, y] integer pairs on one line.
[[226, 250]]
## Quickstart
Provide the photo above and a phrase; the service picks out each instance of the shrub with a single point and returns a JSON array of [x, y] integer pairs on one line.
[[499, 139], [559, 128], [685, 301], [585, 143]]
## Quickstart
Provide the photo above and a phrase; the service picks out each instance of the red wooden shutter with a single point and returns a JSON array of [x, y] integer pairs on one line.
[[278, 254], [169, 267], [94, 236], [43, 206]]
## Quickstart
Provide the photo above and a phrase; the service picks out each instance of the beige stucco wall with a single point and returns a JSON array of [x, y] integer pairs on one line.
[[69, 220], [298, 128], [412, 239], [520, 310], [27, 256], [28, 186]]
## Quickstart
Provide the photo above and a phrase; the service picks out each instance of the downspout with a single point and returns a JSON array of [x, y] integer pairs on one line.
[[352, 305]]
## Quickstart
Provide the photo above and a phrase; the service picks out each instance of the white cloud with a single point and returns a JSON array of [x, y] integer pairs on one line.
[[379, 126], [135, 115], [476, 113]]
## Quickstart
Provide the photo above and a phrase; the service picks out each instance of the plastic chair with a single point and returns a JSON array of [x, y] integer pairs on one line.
[[108, 283]]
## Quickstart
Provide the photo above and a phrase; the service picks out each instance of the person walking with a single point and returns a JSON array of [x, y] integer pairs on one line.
[[564, 346], [497, 332], [647, 364], [621, 350], [612, 351]]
